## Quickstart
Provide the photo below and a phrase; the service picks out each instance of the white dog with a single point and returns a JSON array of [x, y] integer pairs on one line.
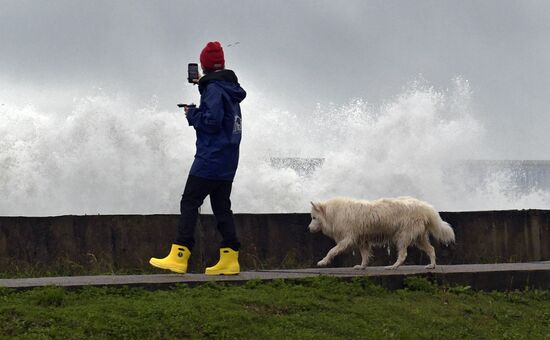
[[362, 224]]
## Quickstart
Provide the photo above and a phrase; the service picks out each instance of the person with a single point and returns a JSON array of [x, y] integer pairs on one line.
[[218, 124]]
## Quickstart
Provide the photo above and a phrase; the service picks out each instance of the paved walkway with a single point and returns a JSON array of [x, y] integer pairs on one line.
[[480, 276]]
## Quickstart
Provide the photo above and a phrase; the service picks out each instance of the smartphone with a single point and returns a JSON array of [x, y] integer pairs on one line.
[[192, 72], [192, 106]]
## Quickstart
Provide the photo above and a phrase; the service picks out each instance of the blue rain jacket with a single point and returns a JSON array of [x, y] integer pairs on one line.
[[218, 124]]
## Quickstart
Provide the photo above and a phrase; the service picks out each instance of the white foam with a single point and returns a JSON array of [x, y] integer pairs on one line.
[[108, 156]]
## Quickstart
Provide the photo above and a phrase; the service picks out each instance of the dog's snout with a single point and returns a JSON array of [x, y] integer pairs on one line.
[[312, 227]]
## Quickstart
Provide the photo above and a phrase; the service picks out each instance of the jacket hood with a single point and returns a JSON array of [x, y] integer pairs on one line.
[[227, 80]]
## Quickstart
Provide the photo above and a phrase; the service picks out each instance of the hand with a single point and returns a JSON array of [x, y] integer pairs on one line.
[[196, 81], [186, 108]]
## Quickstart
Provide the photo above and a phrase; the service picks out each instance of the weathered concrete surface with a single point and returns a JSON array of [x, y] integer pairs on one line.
[[98, 244], [482, 277]]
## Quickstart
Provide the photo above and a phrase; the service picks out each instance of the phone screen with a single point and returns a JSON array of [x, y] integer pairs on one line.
[[192, 72]]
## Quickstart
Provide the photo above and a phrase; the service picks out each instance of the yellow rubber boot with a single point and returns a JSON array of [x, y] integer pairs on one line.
[[176, 261], [227, 265]]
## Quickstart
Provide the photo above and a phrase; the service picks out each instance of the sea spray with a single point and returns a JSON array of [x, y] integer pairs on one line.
[[108, 155]]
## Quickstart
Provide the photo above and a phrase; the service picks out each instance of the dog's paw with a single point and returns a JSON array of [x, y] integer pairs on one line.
[[322, 263], [359, 267], [430, 266], [391, 267]]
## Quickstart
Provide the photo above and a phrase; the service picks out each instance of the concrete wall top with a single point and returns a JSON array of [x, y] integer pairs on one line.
[[114, 243]]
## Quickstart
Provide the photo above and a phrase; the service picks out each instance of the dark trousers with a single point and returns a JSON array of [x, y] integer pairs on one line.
[[196, 190]]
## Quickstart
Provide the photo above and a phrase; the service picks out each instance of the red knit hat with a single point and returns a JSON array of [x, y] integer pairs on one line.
[[212, 56]]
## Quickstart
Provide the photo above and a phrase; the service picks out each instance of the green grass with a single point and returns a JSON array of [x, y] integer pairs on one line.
[[320, 308]]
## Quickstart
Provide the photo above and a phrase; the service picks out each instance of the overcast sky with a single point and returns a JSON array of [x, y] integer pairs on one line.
[[302, 52]]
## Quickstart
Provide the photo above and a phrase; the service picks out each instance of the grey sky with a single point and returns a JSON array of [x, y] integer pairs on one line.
[[301, 51]]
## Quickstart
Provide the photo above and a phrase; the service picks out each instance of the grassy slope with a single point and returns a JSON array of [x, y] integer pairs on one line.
[[313, 308]]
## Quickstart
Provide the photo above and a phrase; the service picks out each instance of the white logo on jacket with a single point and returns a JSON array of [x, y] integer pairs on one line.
[[237, 128]]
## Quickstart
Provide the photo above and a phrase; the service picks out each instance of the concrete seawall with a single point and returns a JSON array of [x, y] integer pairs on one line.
[[97, 243]]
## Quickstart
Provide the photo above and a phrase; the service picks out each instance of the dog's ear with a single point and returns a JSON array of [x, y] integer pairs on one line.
[[317, 207]]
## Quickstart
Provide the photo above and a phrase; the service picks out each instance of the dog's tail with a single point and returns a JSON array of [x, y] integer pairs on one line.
[[440, 229]]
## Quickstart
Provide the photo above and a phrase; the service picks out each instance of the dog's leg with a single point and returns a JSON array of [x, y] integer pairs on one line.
[[365, 255], [401, 255], [424, 245], [337, 249]]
